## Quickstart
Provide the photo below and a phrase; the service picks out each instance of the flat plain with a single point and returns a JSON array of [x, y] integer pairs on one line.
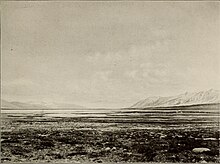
[[163, 134]]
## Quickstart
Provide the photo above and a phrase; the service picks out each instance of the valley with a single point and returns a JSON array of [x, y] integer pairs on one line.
[[166, 134]]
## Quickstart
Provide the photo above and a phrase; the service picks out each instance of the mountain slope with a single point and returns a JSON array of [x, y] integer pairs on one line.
[[32, 105], [6, 104], [60, 105], [20, 105], [203, 97]]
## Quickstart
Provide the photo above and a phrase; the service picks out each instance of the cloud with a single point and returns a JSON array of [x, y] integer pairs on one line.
[[19, 82], [131, 74], [19, 87], [102, 75], [61, 52]]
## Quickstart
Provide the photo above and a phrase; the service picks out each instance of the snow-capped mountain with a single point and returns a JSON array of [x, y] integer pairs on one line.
[[203, 97]]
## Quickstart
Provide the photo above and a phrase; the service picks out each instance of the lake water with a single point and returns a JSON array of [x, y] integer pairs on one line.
[[62, 113], [110, 113]]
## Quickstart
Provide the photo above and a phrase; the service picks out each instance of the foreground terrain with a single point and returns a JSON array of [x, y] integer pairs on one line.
[[126, 135]]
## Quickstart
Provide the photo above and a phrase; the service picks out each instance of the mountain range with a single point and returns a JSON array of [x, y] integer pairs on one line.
[[203, 97], [33, 105]]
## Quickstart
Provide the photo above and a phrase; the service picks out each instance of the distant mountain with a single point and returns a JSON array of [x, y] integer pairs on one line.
[[32, 105], [19, 105], [61, 105], [6, 104], [203, 97]]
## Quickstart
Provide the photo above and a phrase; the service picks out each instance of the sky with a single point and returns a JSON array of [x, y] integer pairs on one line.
[[108, 54]]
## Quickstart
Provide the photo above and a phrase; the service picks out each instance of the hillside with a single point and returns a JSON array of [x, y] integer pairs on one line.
[[19, 105], [32, 105], [203, 97]]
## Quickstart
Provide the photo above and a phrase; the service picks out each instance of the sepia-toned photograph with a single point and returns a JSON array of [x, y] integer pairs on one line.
[[110, 82]]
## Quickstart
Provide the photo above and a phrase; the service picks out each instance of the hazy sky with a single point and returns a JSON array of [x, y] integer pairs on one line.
[[108, 54]]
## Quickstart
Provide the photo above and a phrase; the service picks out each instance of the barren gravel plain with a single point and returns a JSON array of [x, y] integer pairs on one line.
[[118, 135]]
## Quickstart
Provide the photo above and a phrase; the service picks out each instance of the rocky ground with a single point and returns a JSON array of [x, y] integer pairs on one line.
[[82, 140]]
